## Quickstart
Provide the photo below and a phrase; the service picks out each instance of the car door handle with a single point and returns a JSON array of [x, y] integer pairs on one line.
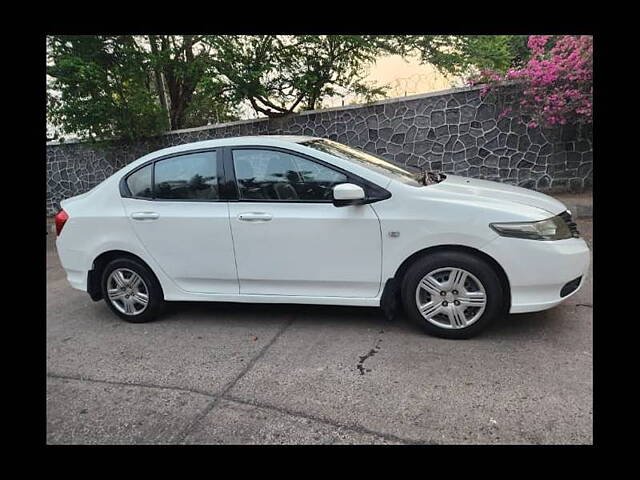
[[255, 217], [145, 216]]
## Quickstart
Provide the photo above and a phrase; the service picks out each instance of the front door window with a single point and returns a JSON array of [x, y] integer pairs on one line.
[[271, 175]]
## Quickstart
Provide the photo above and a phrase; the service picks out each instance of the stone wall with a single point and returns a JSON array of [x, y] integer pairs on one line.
[[454, 131]]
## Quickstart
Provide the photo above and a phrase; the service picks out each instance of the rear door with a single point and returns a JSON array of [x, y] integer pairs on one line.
[[288, 236], [175, 209]]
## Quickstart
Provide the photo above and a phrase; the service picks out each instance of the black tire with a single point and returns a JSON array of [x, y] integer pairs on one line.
[[477, 267], [155, 303]]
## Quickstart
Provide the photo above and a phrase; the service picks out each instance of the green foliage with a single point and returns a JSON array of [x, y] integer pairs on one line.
[[209, 106], [103, 87], [518, 50], [458, 55], [129, 87], [184, 82]]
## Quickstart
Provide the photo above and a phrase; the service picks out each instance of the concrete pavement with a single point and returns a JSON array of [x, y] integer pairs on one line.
[[238, 373]]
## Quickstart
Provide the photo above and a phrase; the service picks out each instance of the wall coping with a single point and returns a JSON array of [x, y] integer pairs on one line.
[[385, 101]]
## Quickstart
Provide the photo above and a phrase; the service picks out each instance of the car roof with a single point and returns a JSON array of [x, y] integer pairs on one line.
[[273, 140]]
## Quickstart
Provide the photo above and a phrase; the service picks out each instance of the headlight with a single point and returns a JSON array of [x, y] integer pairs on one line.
[[554, 228]]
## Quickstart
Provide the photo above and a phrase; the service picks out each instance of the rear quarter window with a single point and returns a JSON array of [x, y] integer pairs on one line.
[[139, 182]]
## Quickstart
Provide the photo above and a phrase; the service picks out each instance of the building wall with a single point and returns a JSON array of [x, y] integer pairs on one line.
[[455, 131]]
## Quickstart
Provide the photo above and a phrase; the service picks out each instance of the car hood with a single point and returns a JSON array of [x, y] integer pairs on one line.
[[484, 189]]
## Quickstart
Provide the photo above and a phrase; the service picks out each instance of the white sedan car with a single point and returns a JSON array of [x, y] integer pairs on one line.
[[292, 219]]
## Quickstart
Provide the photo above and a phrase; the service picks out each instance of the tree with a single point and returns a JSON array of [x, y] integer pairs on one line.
[[103, 87], [280, 74], [277, 74], [129, 87], [182, 72], [461, 54], [556, 82]]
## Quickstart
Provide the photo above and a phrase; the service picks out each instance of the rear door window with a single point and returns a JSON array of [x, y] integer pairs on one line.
[[187, 177]]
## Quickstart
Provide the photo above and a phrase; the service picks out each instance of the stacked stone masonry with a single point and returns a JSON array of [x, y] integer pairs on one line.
[[456, 131]]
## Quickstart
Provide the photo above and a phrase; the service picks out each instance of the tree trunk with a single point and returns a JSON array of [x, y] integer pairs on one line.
[[180, 85], [159, 82]]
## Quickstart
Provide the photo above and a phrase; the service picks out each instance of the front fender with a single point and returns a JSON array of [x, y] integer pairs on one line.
[[395, 253]]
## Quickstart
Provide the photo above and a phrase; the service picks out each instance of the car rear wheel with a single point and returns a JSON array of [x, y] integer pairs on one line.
[[131, 290], [452, 294]]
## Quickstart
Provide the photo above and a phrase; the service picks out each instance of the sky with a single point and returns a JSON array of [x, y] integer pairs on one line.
[[406, 77]]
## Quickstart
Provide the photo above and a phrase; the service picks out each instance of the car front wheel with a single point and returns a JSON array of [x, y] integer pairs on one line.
[[452, 294], [131, 290]]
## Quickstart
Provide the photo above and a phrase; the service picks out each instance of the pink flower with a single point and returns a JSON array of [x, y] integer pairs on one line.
[[558, 80]]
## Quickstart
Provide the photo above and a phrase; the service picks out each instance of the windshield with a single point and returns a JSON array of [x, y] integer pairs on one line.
[[368, 160]]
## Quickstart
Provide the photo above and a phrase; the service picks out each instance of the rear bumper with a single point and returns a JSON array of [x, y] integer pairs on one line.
[[538, 270], [77, 279], [73, 263]]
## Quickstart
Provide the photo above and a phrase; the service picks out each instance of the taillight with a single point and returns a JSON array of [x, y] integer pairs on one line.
[[61, 218]]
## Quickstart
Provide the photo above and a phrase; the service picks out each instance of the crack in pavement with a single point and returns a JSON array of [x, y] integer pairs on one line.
[[185, 432], [353, 427], [80, 378]]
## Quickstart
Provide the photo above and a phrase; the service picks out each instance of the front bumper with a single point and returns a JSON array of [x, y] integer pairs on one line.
[[538, 270]]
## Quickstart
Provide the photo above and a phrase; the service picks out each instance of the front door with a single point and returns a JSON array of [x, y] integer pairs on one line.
[[290, 239], [182, 223]]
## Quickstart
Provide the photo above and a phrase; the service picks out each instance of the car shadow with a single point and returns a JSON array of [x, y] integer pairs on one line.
[[512, 325], [313, 313], [534, 324]]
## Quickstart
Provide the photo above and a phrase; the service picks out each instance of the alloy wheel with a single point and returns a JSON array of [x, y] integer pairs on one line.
[[451, 298], [127, 291]]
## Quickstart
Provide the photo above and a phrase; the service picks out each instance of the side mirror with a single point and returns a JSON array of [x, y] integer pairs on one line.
[[348, 194]]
